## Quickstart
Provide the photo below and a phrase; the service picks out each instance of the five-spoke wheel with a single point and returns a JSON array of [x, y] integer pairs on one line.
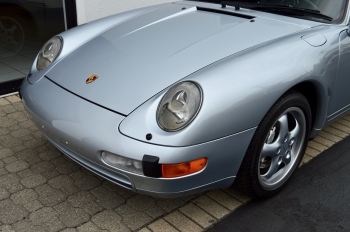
[[277, 147]]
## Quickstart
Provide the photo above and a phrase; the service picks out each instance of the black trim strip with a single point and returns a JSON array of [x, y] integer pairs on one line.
[[10, 86], [85, 98], [71, 13], [225, 12]]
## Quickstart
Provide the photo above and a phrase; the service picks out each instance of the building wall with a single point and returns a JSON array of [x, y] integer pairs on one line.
[[89, 10]]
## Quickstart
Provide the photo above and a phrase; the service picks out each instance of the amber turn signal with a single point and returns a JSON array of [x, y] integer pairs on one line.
[[183, 169]]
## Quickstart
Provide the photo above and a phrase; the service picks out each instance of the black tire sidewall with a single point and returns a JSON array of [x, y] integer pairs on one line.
[[288, 100]]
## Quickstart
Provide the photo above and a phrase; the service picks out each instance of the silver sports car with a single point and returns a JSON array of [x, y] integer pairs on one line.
[[180, 98]]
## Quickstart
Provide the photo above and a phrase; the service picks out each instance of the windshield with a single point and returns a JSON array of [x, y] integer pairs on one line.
[[333, 8]]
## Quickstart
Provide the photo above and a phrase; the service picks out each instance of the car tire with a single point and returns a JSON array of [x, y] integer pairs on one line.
[[276, 148]]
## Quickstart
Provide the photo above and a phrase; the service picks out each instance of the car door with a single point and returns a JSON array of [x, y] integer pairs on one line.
[[340, 102]]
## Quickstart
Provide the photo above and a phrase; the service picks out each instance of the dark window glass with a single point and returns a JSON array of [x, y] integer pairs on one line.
[[333, 8], [25, 25]]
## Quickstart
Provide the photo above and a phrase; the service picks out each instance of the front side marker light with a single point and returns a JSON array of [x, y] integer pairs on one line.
[[183, 169]]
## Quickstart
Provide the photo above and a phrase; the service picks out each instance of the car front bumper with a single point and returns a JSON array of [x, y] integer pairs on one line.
[[83, 130]]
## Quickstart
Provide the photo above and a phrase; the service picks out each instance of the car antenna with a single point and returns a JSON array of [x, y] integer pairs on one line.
[[223, 5]]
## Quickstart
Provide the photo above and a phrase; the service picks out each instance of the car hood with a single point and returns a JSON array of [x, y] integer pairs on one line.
[[144, 55]]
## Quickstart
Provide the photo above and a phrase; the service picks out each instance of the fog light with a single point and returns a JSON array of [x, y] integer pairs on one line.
[[183, 169], [121, 162]]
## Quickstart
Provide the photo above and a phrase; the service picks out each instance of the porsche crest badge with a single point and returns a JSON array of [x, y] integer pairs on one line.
[[91, 79]]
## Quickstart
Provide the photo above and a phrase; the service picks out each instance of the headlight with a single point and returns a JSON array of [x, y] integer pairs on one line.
[[49, 52], [179, 106]]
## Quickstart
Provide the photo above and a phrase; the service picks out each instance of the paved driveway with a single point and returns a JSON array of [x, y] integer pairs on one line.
[[42, 190]]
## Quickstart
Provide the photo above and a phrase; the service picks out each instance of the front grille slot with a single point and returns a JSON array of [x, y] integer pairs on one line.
[[225, 12]]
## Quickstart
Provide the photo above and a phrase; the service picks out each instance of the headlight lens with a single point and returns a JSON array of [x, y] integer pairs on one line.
[[179, 106], [49, 52]]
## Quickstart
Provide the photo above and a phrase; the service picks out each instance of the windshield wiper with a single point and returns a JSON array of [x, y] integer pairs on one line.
[[281, 8]]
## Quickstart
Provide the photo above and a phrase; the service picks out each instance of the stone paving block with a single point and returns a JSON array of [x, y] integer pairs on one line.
[[71, 230], [33, 181], [26, 124], [14, 128], [13, 99], [64, 166], [155, 212], [317, 146], [17, 166], [42, 167], [6, 122], [335, 131], [87, 182], [21, 132], [107, 199], [10, 212], [7, 228], [4, 194], [341, 127], [3, 171], [11, 182], [125, 193], [24, 197], [211, 207], [38, 135], [169, 205], [144, 230], [25, 173], [344, 122], [28, 155], [6, 152], [64, 183], [18, 116], [8, 108], [330, 136], [71, 216], [146, 204], [346, 117], [50, 154], [33, 206], [86, 201], [197, 215], [141, 202], [109, 220], [125, 209], [324, 141], [136, 220], [27, 226], [9, 160], [49, 196], [161, 226], [311, 152], [88, 227], [238, 195], [47, 218], [181, 222], [306, 159], [3, 102], [33, 143], [224, 199], [4, 131]]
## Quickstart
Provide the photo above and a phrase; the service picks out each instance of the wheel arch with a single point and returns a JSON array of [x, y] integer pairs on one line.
[[315, 95]]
